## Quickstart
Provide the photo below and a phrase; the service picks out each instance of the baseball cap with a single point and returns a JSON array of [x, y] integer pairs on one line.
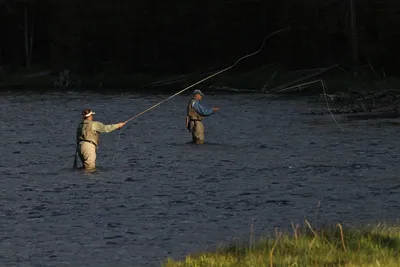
[[197, 91]]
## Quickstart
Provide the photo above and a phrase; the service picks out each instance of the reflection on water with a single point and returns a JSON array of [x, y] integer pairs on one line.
[[163, 197]]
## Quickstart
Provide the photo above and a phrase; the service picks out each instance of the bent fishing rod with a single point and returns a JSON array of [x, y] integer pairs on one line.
[[208, 77], [196, 83]]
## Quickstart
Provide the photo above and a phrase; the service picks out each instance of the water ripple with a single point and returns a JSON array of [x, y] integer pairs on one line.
[[163, 197]]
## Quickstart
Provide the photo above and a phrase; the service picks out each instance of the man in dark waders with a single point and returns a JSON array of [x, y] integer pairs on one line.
[[195, 114], [87, 138]]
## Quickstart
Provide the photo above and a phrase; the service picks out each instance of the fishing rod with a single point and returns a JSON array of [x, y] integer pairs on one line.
[[196, 83], [208, 77]]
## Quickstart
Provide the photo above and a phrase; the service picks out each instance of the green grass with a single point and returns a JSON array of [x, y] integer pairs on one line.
[[330, 246]]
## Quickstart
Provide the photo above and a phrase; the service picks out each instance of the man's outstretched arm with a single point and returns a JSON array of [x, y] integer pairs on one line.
[[101, 128], [202, 110]]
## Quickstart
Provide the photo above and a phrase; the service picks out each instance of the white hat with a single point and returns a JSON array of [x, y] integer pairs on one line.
[[89, 114]]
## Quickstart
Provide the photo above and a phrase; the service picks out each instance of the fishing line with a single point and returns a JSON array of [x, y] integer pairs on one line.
[[196, 83], [329, 108], [212, 75], [325, 97]]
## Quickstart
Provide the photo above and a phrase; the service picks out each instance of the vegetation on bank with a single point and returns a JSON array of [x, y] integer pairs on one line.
[[271, 78], [329, 246], [42, 78]]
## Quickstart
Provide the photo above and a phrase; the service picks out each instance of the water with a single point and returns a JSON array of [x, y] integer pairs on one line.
[[161, 197]]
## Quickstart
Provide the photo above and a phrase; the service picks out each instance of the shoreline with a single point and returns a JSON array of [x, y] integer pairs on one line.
[[345, 94], [377, 245]]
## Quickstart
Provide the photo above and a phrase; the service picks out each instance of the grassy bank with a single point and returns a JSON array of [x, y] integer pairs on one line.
[[335, 246]]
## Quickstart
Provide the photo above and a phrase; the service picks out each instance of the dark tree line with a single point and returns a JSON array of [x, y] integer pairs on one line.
[[162, 36]]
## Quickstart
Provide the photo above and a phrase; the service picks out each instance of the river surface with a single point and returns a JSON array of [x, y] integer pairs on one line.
[[155, 196]]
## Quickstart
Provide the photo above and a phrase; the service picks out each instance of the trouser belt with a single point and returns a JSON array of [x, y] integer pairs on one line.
[[93, 143]]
